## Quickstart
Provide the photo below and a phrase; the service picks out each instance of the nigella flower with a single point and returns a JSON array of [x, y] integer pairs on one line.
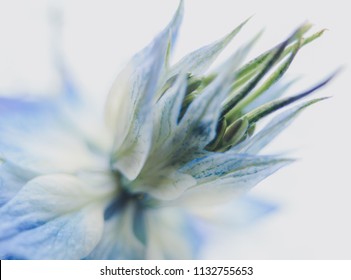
[[178, 149]]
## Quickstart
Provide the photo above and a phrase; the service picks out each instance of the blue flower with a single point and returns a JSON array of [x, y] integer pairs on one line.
[[176, 152]]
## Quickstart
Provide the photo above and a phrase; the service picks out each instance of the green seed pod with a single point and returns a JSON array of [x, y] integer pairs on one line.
[[221, 128], [234, 133]]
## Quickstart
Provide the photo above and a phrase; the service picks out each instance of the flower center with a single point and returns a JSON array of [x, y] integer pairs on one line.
[[129, 205], [126, 197]]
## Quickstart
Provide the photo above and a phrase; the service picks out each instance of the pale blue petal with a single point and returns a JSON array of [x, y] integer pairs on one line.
[[222, 178], [66, 237], [165, 122], [53, 217], [216, 165], [130, 103], [167, 111]]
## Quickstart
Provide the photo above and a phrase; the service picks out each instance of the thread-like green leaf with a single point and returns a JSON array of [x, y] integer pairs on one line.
[[234, 133], [247, 72], [269, 108], [272, 79], [275, 58]]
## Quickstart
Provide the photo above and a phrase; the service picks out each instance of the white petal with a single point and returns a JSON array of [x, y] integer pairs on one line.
[[171, 234], [198, 61], [167, 111], [231, 215]]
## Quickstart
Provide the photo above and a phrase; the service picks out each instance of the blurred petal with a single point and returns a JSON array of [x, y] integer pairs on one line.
[[118, 240], [12, 179], [53, 217], [171, 234], [37, 137], [231, 215]]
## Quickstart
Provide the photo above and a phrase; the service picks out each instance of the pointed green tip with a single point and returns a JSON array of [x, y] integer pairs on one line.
[[313, 101], [309, 39], [287, 161], [300, 31], [321, 32], [246, 21], [235, 31]]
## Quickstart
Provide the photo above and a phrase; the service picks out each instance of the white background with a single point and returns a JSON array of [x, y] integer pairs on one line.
[[272, 270], [313, 195]]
